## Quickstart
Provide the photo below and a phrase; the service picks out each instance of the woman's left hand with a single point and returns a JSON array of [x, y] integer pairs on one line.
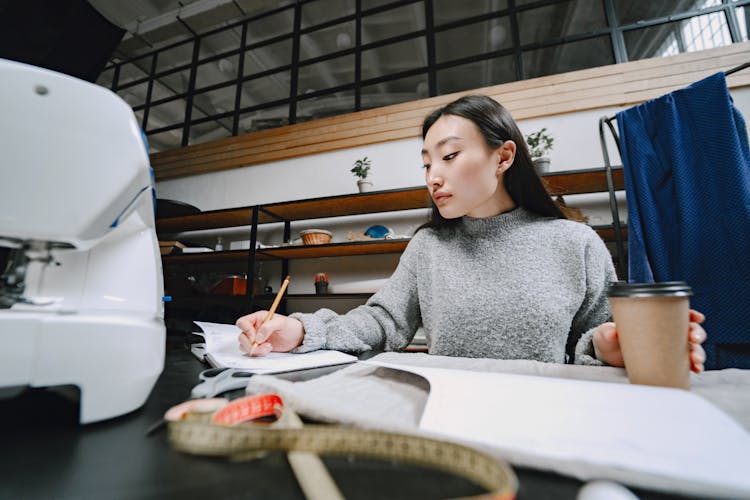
[[607, 343]]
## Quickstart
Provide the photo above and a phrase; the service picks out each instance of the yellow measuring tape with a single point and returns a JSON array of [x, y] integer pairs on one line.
[[225, 430]]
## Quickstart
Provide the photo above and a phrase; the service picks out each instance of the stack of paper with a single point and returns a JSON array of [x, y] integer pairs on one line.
[[223, 350]]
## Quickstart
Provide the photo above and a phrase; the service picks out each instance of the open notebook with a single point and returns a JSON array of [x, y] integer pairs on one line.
[[223, 351]]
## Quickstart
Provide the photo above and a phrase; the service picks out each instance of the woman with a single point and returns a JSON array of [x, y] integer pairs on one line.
[[498, 272]]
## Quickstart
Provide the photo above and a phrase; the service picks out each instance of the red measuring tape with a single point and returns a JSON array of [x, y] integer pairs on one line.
[[248, 408], [228, 413]]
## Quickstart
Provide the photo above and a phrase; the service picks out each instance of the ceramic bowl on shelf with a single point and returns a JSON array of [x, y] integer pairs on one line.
[[316, 236]]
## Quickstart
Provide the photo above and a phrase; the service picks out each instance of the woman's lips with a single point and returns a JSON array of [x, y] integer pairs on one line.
[[440, 197]]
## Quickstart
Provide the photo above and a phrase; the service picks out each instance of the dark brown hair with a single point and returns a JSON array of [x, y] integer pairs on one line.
[[497, 125]]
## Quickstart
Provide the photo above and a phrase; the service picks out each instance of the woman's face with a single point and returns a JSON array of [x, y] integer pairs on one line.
[[463, 175]]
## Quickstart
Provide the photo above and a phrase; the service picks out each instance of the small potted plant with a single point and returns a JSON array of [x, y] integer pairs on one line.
[[540, 144], [321, 283], [360, 169]]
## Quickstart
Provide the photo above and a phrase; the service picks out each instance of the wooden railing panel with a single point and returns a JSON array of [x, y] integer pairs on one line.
[[615, 85]]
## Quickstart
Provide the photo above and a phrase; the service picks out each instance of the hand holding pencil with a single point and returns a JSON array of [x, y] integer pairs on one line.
[[265, 331]]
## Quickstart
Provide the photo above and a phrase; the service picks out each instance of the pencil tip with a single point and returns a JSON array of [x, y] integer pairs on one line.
[[288, 277]]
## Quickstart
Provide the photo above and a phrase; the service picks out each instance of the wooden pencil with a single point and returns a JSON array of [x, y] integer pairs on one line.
[[273, 308]]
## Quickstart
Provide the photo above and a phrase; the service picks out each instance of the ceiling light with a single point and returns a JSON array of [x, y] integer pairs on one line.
[[497, 35], [343, 40]]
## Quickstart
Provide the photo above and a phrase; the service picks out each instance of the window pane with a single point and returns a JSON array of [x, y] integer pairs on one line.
[[164, 141], [277, 116], [445, 11], [326, 74], [210, 131], [476, 75], [161, 91], [473, 39], [323, 106], [267, 89], [743, 18], [135, 95], [268, 57], [394, 22], [632, 11], [218, 43], [174, 57], [197, 113], [215, 101], [326, 41], [105, 78], [371, 4], [138, 116], [568, 57], [320, 11], [213, 72], [135, 70], [393, 58], [697, 33], [560, 20], [168, 113], [176, 83], [411, 88], [281, 23]]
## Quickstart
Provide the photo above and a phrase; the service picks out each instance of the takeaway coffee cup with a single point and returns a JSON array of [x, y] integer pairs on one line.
[[652, 322]]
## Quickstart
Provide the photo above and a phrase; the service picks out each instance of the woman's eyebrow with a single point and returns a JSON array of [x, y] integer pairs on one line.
[[442, 142]]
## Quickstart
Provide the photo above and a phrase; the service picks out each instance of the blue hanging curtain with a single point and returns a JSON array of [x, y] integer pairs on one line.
[[687, 179]]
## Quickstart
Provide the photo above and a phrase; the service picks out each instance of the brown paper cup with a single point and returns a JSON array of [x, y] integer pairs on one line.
[[652, 323]]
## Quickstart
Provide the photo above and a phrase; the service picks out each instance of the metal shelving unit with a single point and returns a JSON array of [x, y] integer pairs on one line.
[[557, 183]]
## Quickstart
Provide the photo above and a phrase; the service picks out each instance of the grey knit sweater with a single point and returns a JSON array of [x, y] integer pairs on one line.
[[513, 286]]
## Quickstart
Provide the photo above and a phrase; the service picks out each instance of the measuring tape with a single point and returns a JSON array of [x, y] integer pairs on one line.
[[216, 432]]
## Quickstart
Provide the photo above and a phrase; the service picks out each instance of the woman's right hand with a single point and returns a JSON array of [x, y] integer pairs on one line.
[[280, 333]]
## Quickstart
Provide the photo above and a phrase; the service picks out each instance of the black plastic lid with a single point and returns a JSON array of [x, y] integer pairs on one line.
[[663, 289]]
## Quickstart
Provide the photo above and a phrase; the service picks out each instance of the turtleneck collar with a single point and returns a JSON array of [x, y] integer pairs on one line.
[[498, 223]]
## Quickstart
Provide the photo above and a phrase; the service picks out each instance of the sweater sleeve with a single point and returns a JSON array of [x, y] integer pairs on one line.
[[388, 320], [594, 309]]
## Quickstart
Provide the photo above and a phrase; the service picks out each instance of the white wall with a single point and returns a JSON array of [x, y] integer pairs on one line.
[[396, 164]]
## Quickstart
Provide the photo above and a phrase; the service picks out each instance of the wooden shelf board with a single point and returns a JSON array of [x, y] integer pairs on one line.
[[336, 249], [186, 300], [607, 233], [354, 204], [215, 219], [582, 181], [207, 257]]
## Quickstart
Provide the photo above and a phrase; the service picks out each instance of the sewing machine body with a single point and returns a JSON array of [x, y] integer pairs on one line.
[[81, 291]]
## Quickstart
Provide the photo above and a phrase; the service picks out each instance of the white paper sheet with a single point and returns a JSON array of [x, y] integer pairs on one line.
[[222, 347], [666, 433]]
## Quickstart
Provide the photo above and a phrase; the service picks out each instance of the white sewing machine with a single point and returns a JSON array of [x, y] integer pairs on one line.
[[80, 272]]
